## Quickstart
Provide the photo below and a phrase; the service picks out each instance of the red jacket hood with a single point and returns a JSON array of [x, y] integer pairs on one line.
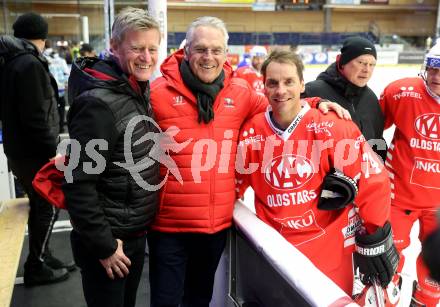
[[48, 181], [170, 71]]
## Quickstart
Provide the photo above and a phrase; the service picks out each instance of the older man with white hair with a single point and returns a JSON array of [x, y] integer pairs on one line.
[[198, 95]]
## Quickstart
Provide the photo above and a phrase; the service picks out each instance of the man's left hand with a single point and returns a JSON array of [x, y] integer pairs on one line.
[[117, 263], [326, 105]]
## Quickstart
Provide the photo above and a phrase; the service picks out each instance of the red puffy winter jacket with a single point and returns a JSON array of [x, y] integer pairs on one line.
[[203, 199]]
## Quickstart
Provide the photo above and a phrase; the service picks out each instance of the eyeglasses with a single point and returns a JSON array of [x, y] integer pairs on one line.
[[213, 51]]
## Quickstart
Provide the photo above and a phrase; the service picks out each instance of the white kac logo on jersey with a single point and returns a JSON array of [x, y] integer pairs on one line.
[[288, 172], [428, 125]]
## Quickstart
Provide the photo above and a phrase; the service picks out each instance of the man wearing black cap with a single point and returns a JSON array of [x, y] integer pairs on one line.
[[345, 82], [30, 129]]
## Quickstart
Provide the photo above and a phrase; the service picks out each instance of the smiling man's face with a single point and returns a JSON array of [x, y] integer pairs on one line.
[[283, 88], [206, 53], [138, 53]]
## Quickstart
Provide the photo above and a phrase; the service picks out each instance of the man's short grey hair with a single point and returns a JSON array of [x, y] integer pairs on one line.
[[132, 19], [206, 21]]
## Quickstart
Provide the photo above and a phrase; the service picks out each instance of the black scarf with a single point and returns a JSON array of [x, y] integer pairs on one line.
[[204, 92]]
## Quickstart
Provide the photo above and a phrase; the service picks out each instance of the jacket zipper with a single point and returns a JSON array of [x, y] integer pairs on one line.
[[211, 182]]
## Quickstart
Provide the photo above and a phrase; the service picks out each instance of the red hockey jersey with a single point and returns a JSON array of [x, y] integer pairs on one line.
[[286, 171], [413, 158], [253, 77]]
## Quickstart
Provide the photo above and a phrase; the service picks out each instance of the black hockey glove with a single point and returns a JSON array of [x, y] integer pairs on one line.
[[431, 254], [376, 256], [338, 190]]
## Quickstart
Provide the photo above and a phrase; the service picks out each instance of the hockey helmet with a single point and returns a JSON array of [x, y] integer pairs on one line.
[[258, 51], [432, 59]]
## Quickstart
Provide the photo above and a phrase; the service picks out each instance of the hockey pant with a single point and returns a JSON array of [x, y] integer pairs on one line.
[[402, 221]]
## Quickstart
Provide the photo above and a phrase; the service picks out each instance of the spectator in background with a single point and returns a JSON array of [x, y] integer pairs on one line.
[[87, 50], [252, 74], [60, 71], [245, 62], [30, 131], [345, 82], [104, 54], [65, 53], [74, 50]]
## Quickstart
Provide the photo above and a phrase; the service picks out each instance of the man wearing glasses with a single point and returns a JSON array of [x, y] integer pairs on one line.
[[199, 96]]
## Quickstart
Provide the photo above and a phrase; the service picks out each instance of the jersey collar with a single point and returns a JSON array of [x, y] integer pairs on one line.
[[295, 122]]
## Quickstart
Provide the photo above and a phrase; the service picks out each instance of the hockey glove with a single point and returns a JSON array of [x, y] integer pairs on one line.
[[376, 256], [338, 190]]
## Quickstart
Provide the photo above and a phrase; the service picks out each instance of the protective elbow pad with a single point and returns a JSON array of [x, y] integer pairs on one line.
[[338, 190], [376, 256]]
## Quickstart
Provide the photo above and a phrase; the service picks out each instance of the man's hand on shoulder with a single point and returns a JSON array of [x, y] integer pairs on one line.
[[117, 263], [326, 105]]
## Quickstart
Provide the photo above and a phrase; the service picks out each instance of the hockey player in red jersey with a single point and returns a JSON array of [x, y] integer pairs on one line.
[[252, 74], [413, 162], [286, 155]]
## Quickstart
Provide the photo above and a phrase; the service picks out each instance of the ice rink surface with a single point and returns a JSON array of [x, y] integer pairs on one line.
[[382, 76]]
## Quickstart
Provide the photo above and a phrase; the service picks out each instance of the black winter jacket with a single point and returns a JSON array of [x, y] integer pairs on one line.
[[109, 204], [28, 100], [361, 102]]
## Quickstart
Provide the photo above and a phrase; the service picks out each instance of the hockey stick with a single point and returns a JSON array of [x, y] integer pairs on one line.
[[379, 294], [372, 295]]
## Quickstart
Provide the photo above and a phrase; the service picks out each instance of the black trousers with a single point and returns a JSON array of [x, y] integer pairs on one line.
[[42, 215], [99, 289], [182, 267], [62, 111]]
